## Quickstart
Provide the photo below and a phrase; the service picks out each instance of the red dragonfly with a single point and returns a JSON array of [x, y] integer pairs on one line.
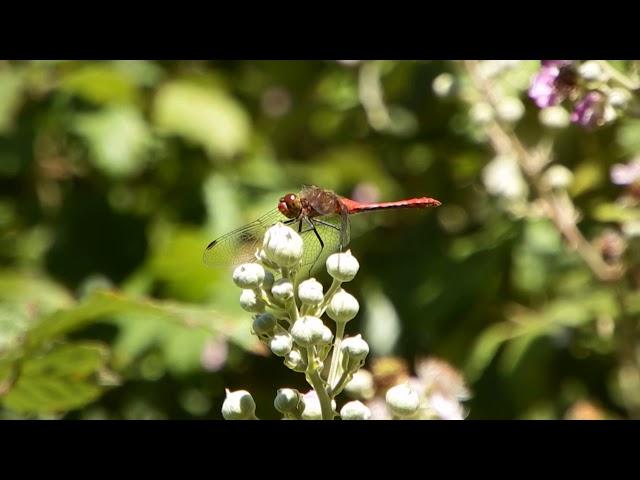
[[320, 216]]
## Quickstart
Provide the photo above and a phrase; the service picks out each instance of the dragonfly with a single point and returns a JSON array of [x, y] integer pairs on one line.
[[320, 216]]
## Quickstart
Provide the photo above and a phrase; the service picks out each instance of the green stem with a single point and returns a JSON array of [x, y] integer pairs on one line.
[[318, 385], [335, 356], [340, 384], [335, 285], [618, 76]]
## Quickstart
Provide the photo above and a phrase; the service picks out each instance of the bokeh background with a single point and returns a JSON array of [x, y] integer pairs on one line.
[[114, 176]]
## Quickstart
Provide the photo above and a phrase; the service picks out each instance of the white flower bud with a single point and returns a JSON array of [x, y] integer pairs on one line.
[[281, 344], [307, 331], [554, 117], [361, 385], [609, 114], [402, 400], [250, 302], [264, 324], [510, 109], [558, 176], [287, 400], [591, 71], [327, 335], [282, 245], [355, 411], [294, 361], [249, 275], [282, 289], [343, 307], [443, 85], [355, 348], [481, 112], [619, 97], [312, 409], [311, 291], [261, 257], [238, 405], [342, 266], [631, 228]]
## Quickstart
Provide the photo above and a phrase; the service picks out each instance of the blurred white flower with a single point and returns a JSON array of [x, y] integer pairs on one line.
[[502, 176], [626, 174], [554, 117]]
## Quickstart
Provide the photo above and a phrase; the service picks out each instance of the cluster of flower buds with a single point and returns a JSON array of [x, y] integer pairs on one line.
[[435, 392], [288, 319], [587, 86]]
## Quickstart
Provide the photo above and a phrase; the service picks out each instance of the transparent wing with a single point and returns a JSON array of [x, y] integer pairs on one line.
[[322, 236], [240, 245], [331, 233]]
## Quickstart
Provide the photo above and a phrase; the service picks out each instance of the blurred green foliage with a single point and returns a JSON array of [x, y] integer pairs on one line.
[[114, 176]]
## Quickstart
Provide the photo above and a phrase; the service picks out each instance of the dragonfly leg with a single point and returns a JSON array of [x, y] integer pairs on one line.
[[315, 232], [327, 224]]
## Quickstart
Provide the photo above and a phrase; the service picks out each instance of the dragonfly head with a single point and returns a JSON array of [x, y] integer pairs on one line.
[[290, 205]]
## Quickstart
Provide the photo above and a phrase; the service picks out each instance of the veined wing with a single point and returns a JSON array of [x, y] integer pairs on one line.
[[240, 245]]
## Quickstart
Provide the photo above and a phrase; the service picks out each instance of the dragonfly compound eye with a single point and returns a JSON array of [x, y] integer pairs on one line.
[[290, 205]]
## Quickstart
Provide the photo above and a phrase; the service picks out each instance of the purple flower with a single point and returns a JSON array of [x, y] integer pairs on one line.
[[589, 111], [552, 83]]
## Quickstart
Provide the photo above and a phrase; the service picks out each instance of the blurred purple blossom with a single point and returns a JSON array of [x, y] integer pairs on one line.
[[626, 173], [214, 355], [589, 111], [552, 83]]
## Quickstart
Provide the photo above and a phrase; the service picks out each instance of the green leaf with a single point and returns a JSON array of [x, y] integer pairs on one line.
[[100, 83], [75, 359], [44, 394], [11, 86], [203, 116], [58, 380], [119, 140], [613, 212], [100, 305]]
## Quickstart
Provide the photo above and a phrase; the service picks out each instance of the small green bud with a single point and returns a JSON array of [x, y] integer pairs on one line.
[[444, 85], [295, 361], [282, 245], [343, 307], [311, 292], [361, 385], [355, 411], [250, 302], [287, 401], [281, 344], [238, 405], [342, 266], [554, 117], [558, 177], [354, 351], [263, 324], [481, 112], [249, 275], [402, 400], [312, 409], [510, 109], [282, 289], [308, 331]]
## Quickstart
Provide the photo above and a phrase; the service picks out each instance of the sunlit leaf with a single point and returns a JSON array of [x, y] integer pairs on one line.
[[203, 116], [99, 83], [119, 139]]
